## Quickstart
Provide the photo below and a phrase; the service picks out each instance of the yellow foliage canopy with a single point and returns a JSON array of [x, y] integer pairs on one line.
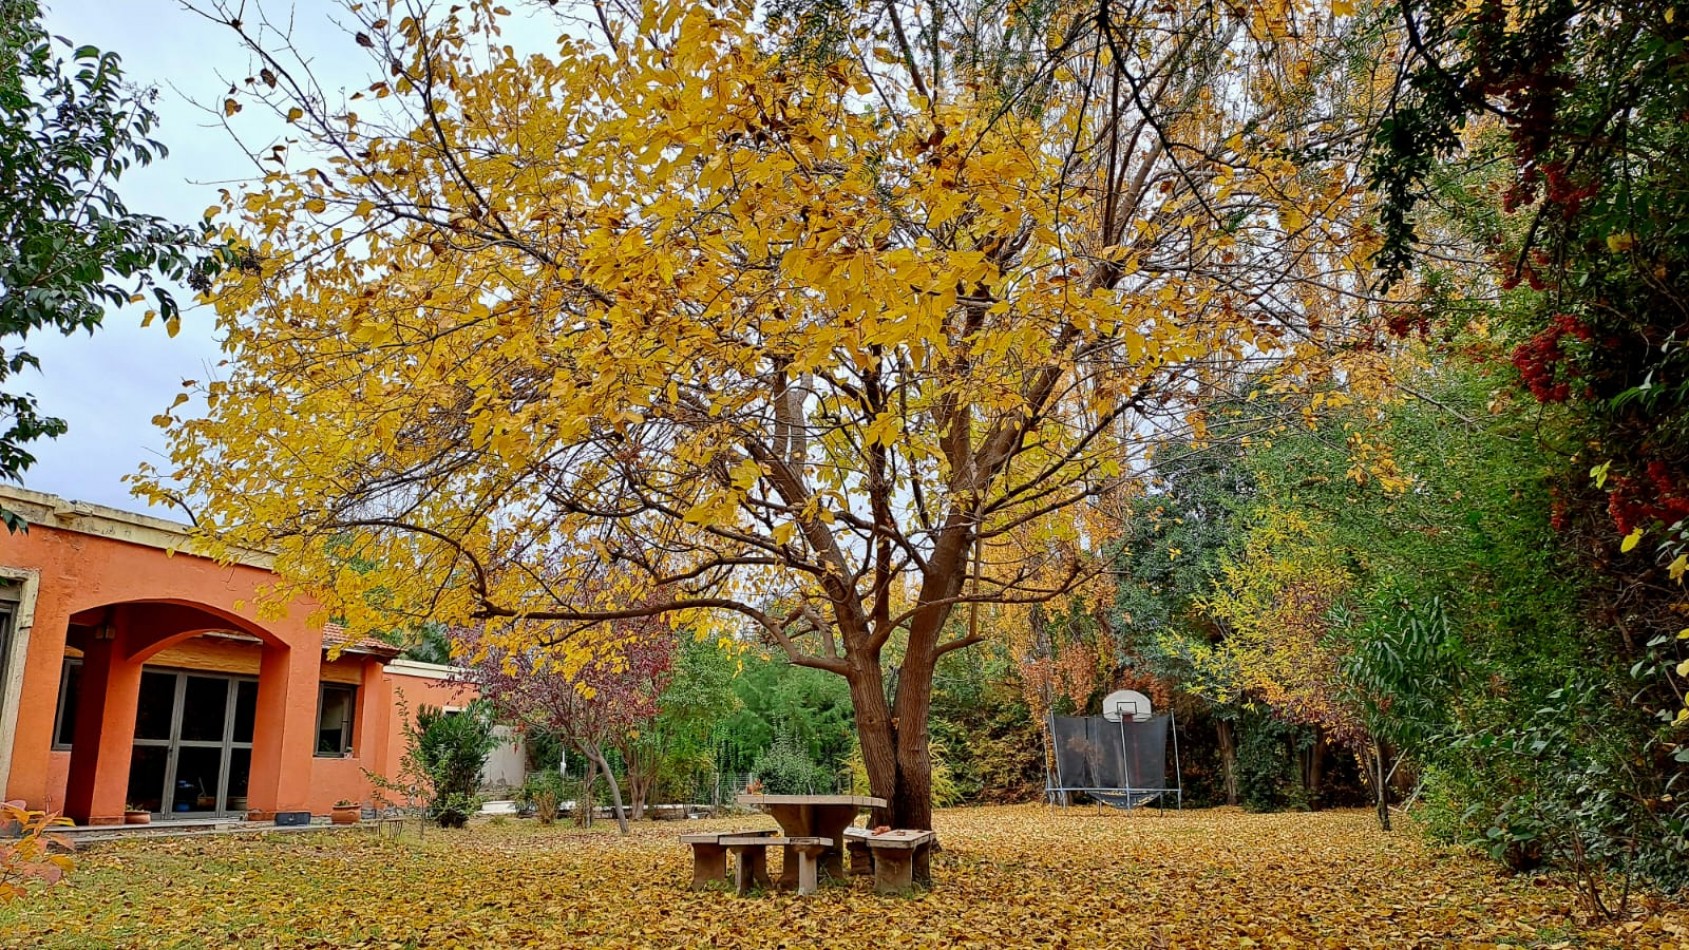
[[818, 333], [682, 304]]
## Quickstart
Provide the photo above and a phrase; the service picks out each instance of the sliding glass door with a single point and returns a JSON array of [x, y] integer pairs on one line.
[[193, 743]]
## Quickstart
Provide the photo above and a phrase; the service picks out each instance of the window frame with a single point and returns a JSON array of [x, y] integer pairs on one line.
[[64, 702], [8, 621], [348, 726]]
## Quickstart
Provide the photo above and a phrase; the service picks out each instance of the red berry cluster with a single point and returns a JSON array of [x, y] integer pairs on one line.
[[1657, 496], [1542, 363], [1404, 322], [1566, 190], [1559, 515]]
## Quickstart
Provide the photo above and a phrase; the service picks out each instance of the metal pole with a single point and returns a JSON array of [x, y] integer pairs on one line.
[[1178, 774], [1125, 760], [1049, 755]]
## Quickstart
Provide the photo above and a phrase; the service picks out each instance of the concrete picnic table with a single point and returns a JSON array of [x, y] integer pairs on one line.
[[813, 816]]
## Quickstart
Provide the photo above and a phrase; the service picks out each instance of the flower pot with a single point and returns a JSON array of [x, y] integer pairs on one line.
[[346, 814], [137, 818]]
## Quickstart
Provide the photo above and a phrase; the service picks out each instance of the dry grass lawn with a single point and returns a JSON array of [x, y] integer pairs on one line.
[[1020, 876]]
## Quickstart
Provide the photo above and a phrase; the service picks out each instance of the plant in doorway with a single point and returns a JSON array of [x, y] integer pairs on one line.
[[136, 815], [346, 812]]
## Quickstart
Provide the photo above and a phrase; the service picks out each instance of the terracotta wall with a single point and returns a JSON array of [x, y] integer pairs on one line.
[[58, 773], [82, 561], [423, 685], [332, 779], [380, 742], [136, 597]]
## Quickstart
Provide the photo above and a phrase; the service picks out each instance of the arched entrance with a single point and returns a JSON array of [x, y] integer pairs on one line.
[[179, 710]]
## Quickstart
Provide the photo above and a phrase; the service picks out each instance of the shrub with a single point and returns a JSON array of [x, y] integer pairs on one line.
[[1266, 764], [451, 748], [542, 791], [786, 769]]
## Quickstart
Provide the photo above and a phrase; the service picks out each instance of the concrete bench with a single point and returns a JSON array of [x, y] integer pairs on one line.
[[898, 859], [750, 867], [856, 845], [709, 855]]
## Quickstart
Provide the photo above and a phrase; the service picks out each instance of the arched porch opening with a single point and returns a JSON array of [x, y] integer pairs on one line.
[[181, 710]]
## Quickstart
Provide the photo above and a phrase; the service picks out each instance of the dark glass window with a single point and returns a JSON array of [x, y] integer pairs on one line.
[[246, 709], [156, 706], [146, 777], [7, 606], [334, 719], [70, 687], [205, 709]]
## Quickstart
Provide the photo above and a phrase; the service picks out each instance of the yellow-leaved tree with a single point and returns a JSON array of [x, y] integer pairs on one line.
[[808, 327]]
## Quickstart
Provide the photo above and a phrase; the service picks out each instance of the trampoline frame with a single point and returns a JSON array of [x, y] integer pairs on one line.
[[1057, 792]]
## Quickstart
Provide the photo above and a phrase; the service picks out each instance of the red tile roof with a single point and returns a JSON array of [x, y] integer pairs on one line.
[[335, 638]]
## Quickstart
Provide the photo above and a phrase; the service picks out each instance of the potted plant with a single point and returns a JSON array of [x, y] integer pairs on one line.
[[346, 813], [136, 815]]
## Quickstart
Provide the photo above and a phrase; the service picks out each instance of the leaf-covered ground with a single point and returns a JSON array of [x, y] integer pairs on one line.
[[1009, 877]]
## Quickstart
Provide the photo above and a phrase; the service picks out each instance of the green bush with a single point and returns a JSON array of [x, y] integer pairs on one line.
[[784, 768], [541, 791], [451, 748], [1267, 779]]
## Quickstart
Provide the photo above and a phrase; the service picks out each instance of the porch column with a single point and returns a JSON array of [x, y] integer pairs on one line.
[[374, 712], [105, 729], [285, 728]]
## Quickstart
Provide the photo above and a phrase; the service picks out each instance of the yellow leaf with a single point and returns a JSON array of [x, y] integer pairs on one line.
[[230, 107], [1631, 540]]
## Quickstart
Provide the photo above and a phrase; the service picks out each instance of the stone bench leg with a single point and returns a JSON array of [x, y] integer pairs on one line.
[[750, 870], [709, 865], [861, 859], [893, 871], [923, 865], [789, 869], [809, 857]]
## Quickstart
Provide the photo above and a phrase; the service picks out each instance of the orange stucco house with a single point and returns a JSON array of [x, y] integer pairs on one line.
[[135, 673]]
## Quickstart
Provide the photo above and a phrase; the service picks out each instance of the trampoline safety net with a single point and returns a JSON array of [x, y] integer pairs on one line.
[[1093, 753]]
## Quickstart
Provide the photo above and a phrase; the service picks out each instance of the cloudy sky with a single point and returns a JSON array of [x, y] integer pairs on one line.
[[109, 386]]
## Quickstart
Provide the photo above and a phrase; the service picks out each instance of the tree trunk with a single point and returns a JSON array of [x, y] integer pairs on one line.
[[1228, 759], [1316, 768], [594, 753], [639, 780], [895, 748], [583, 800], [912, 804], [1380, 784], [878, 739]]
